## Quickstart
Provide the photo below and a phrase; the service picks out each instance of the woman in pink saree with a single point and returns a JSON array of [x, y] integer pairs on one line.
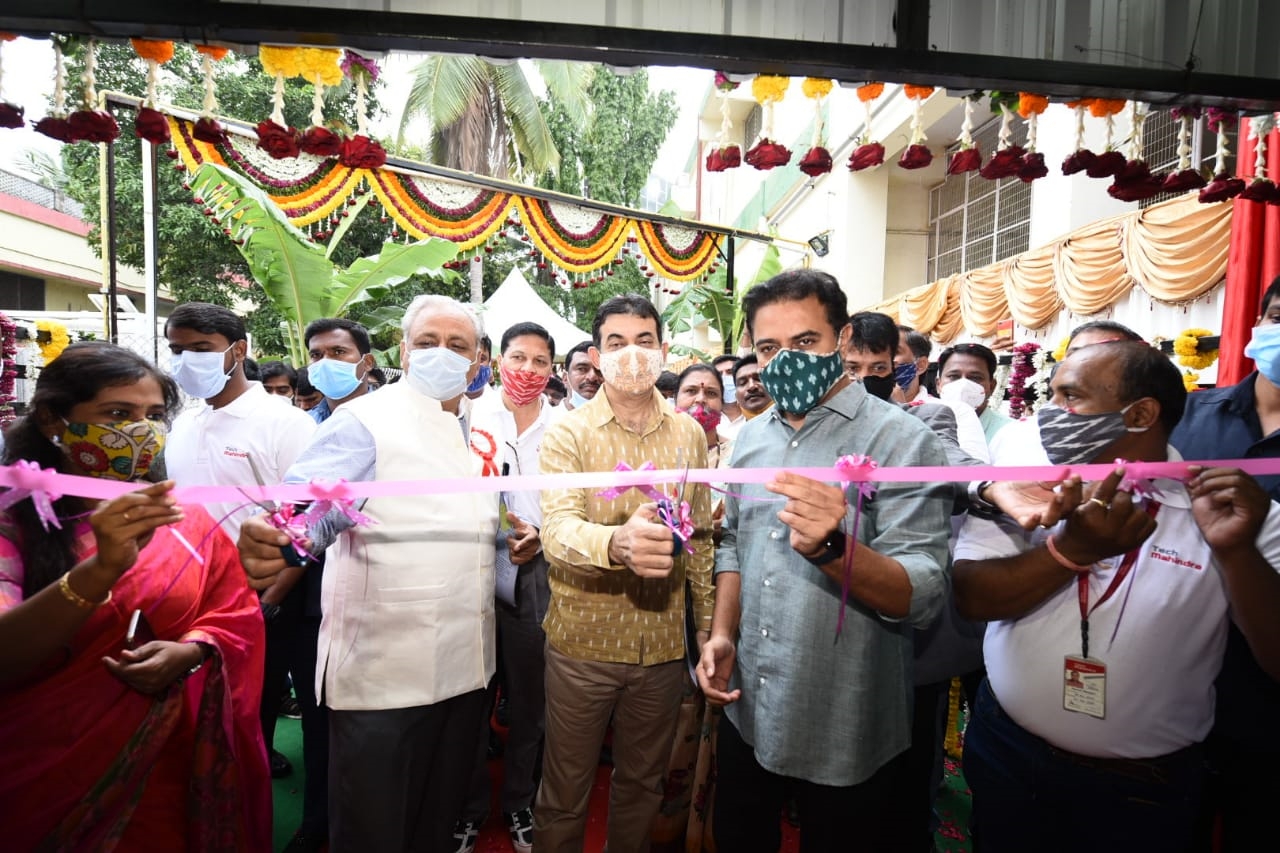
[[104, 747]]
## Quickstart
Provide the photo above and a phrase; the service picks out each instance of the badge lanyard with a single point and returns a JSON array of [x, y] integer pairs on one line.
[[1082, 588]]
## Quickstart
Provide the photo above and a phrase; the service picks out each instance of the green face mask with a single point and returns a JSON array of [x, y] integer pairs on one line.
[[797, 380]]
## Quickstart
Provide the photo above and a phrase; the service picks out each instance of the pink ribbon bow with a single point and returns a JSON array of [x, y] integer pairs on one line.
[[327, 496], [32, 481], [857, 469], [678, 518]]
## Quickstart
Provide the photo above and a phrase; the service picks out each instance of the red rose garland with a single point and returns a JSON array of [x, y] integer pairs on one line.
[[1022, 370]]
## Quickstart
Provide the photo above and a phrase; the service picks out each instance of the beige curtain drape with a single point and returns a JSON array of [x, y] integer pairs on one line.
[[1175, 251]]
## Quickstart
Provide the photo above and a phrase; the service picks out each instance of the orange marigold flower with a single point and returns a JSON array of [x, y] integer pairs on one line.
[[870, 91], [1030, 104], [1101, 107], [917, 93], [154, 51], [8, 36], [213, 51]]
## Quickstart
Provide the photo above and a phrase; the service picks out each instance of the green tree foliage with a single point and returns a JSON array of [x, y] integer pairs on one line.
[[197, 260], [611, 157]]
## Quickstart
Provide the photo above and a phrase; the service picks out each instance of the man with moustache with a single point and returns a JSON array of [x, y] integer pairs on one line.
[[753, 399], [582, 375]]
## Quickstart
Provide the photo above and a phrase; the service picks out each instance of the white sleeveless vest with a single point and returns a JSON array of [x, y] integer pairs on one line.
[[408, 603]]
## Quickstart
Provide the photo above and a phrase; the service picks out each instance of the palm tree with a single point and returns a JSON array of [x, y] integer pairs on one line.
[[486, 119]]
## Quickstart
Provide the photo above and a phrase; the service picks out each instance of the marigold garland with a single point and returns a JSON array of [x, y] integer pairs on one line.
[[1031, 104], [279, 61], [1187, 347], [768, 88], [1060, 352], [816, 87], [58, 339], [153, 51], [1190, 380], [917, 93], [212, 51], [870, 91]]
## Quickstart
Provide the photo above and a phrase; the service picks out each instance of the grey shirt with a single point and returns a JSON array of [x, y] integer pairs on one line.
[[825, 710]]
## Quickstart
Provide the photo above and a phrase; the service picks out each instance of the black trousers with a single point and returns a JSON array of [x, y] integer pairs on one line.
[[397, 778], [871, 816]]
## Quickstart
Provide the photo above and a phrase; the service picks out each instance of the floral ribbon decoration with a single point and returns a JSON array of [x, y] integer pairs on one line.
[[675, 514], [858, 469], [330, 496], [488, 457], [32, 481]]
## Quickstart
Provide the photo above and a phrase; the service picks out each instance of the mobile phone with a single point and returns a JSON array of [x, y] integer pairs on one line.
[[140, 632]]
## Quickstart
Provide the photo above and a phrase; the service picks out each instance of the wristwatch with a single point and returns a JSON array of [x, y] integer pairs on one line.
[[979, 505], [832, 549]]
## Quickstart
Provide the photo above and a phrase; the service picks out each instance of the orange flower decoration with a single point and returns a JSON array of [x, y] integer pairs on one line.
[[870, 91], [1030, 104], [154, 51], [917, 93], [8, 36], [212, 51], [1100, 107]]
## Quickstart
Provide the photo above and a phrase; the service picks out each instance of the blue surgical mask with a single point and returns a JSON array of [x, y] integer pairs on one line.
[[904, 373], [200, 374], [577, 400], [335, 379], [1264, 349], [439, 372], [483, 375], [730, 389]]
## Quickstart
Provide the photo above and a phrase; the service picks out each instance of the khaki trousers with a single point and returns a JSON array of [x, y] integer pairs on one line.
[[582, 695]]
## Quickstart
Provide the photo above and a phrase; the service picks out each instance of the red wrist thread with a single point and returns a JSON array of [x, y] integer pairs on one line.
[[1062, 560]]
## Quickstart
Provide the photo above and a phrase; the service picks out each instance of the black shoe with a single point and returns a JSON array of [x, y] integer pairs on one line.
[[280, 766], [290, 708], [306, 842]]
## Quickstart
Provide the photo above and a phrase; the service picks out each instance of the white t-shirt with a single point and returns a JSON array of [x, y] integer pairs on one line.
[[1162, 658], [518, 452], [212, 447]]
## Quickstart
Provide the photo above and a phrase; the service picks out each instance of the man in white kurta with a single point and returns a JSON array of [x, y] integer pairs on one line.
[[407, 640]]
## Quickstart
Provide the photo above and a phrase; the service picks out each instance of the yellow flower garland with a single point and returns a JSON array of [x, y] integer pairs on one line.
[[1187, 347], [1061, 352], [767, 88], [58, 339], [1190, 380], [816, 87], [282, 61]]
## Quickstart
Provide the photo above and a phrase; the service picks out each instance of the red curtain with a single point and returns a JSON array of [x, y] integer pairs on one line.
[[1253, 263]]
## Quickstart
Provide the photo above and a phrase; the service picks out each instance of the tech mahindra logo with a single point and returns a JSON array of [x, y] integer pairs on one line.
[[1169, 555]]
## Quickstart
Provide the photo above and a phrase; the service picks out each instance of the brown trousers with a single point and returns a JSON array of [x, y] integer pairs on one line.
[[582, 695]]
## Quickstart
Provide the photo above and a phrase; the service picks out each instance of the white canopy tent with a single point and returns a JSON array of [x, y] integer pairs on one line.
[[516, 302]]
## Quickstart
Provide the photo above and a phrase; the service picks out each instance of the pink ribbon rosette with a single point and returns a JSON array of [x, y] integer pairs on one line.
[[32, 481], [857, 469], [675, 513]]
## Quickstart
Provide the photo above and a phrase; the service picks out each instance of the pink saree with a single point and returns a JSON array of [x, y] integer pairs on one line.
[[91, 764]]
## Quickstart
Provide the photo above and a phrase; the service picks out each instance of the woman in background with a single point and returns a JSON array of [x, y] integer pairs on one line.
[[154, 747]]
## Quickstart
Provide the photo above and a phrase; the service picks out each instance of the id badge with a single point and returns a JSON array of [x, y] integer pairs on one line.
[[1084, 686]]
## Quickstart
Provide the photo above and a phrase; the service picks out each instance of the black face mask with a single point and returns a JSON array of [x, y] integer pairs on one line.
[[879, 386]]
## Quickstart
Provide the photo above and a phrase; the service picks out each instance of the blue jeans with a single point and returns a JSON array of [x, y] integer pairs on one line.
[[1028, 795]]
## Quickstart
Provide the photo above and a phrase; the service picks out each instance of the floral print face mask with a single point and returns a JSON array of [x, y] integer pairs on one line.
[[123, 450]]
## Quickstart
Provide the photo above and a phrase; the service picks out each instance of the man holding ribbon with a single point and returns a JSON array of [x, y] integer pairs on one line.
[[407, 643], [1109, 625], [239, 435], [817, 592], [621, 564]]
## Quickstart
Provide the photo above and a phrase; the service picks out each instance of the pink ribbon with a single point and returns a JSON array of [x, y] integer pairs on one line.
[[293, 526], [678, 518], [327, 496], [857, 469], [29, 480]]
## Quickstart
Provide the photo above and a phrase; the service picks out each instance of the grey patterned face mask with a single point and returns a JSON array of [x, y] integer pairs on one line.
[[797, 380], [1070, 438]]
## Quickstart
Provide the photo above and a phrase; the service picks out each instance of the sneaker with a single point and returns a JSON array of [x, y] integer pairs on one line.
[[466, 833], [291, 709], [520, 825]]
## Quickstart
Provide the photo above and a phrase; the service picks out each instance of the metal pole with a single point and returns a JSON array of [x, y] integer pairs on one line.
[[149, 227], [730, 347], [113, 326]]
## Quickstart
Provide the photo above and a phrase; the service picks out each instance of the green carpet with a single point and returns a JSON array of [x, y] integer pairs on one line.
[[287, 792]]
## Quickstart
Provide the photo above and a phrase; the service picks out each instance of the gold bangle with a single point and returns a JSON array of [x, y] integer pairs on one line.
[[64, 586]]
